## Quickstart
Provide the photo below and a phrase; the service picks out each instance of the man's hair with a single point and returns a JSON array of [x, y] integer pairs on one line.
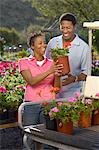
[[68, 17]]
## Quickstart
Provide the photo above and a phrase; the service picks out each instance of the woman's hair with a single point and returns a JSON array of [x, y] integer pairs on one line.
[[33, 37], [68, 17]]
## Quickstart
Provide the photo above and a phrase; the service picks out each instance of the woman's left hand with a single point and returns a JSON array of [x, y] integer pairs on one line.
[[58, 69]]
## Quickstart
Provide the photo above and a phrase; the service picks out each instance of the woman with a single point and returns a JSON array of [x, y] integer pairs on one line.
[[41, 75]]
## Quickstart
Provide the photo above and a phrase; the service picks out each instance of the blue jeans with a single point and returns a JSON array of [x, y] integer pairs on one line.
[[33, 115]]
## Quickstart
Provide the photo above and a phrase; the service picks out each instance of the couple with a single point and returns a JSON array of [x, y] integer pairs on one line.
[[41, 73]]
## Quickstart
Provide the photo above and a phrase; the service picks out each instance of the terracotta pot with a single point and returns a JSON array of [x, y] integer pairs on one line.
[[65, 61], [66, 127], [84, 120], [50, 124], [95, 117]]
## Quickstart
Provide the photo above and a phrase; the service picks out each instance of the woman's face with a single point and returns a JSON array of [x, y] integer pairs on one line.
[[67, 29], [39, 45]]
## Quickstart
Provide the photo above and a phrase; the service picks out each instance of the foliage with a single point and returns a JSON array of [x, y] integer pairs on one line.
[[22, 53], [81, 8], [57, 52], [11, 36], [95, 67], [95, 39], [2, 42], [96, 102], [12, 89], [65, 111], [71, 108], [46, 106], [85, 105]]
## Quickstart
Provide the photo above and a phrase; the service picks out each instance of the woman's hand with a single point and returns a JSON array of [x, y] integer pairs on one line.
[[56, 68]]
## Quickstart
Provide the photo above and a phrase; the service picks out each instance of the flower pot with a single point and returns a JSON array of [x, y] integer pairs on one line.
[[65, 61], [50, 124], [95, 117], [84, 120], [4, 115], [66, 127]]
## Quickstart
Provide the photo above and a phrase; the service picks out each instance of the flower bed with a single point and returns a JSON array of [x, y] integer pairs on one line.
[[12, 89]]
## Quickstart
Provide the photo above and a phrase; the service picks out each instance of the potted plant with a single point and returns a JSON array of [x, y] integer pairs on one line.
[[85, 107], [49, 123], [61, 54], [3, 105], [95, 113], [65, 113]]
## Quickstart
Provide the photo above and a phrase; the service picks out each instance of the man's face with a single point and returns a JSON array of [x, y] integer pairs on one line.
[[67, 29]]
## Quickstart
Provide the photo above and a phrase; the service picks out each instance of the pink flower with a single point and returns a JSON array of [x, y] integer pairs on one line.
[[59, 103], [55, 109], [97, 94], [50, 113], [77, 94], [72, 99], [2, 89], [88, 101], [21, 87]]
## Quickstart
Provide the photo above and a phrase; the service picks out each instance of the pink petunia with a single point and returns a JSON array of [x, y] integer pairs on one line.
[[88, 101], [59, 103], [21, 87], [72, 99], [2, 89], [55, 109], [50, 113], [77, 94], [97, 94]]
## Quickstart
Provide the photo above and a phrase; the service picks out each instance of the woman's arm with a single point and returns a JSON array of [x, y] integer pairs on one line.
[[58, 73], [34, 80]]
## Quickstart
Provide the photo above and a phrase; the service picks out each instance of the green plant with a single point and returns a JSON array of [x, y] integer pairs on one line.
[[12, 89], [46, 106], [96, 102], [22, 53], [65, 111], [57, 52], [85, 105]]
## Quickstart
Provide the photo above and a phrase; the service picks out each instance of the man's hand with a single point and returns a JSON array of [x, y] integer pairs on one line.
[[68, 80], [71, 79]]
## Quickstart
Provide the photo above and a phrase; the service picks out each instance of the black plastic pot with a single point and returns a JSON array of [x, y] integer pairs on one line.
[[50, 124]]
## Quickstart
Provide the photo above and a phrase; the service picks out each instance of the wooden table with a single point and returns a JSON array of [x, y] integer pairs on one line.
[[86, 138]]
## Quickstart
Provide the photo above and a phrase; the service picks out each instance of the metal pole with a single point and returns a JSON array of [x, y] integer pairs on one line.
[[90, 38]]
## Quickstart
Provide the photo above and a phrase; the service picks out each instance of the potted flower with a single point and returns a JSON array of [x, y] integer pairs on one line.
[[85, 107], [95, 113], [49, 123], [65, 113], [61, 54]]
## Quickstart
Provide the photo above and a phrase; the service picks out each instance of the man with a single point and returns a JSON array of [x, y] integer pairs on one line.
[[79, 55]]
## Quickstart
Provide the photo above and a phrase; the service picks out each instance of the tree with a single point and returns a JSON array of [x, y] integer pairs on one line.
[[85, 10], [11, 36]]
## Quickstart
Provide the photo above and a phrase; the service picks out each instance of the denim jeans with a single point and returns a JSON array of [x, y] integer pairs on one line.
[[33, 115]]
